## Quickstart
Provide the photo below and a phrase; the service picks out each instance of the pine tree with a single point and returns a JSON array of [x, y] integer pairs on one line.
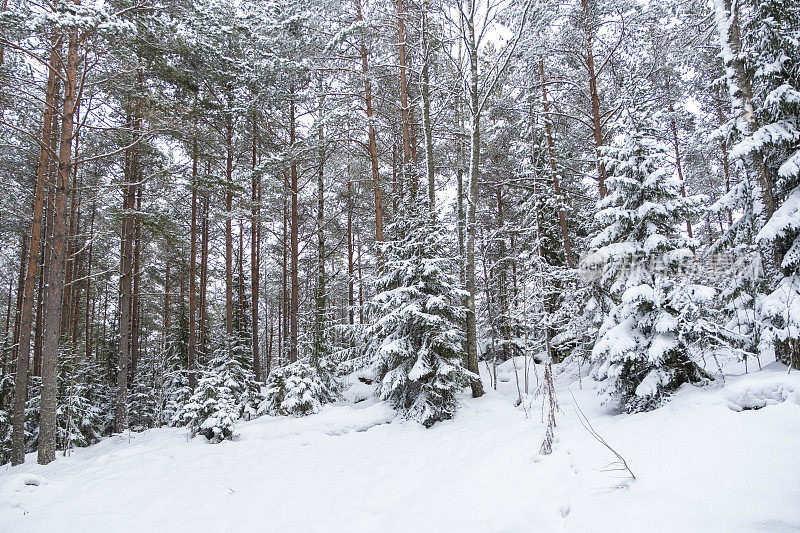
[[415, 340], [641, 349]]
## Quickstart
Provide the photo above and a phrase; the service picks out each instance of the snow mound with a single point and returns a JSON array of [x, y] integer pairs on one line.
[[348, 420], [752, 396], [25, 482], [358, 392]]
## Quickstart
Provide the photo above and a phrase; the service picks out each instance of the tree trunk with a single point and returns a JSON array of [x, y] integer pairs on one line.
[[283, 338], [7, 334], [727, 19], [294, 309], [255, 253], [597, 125], [503, 258], [166, 313], [475, 146], [55, 285], [71, 259], [360, 283], [674, 130], [548, 128], [23, 271], [372, 136], [229, 226], [126, 292], [460, 222], [404, 110], [27, 289], [321, 300], [204, 231], [726, 167], [350, 270], [426, 111], [240, 281], [192, 277], [89, 315], [136, 325]]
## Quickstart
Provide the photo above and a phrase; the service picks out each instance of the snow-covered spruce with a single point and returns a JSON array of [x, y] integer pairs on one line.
[[226, 392], [231, 362], [641, 351], [772, 37], [298, 389], [416, 335], [211, 410]]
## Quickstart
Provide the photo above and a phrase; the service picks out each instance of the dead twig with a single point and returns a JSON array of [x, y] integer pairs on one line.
[[615, 466]]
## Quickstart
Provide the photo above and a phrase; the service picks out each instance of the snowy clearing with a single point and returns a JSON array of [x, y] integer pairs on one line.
[[719, 458]]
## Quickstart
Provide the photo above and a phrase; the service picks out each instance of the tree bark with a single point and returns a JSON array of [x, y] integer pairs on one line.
[[294, 309], [136, 324], [204, 233], [255, 253], [597, 125], [475, 146], [89, 315], [166, 313], [548, 127], [404, 110], [350, 269], [674, 129], [321, 300], [426, 112], [726, 166], [229, 226], [727, 19], [240, 330], [372, 137], [55, 285], [126, 292], [27, 289], [192, 359]]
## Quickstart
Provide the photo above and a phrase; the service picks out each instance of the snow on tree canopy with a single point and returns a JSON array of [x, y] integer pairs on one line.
[[640, 352], [415, 340]]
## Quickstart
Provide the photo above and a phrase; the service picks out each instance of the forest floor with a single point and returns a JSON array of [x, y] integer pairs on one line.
[[710, 460]]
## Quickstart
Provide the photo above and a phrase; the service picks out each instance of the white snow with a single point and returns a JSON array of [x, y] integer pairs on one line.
[[784, 220], [706, 461]]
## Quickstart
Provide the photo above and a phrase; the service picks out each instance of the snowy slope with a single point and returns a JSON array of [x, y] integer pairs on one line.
[[707, 461]]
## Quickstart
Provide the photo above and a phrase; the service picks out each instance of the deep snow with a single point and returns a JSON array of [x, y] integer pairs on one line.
[[718, 458]]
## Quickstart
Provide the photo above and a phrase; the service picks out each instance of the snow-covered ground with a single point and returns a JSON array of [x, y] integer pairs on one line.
[[707, 461]]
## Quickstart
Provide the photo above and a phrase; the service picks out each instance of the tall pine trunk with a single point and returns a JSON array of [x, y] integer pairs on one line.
[[474, 161], [192, 275], [255, 253], [55, 281], [372, 136], [426, 111], [294, 224], [126, 292], [228, 226], [594, 96], [551, 155], [29, 286]]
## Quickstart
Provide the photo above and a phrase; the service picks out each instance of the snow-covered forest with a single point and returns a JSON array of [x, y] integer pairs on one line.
[[399, 265]]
